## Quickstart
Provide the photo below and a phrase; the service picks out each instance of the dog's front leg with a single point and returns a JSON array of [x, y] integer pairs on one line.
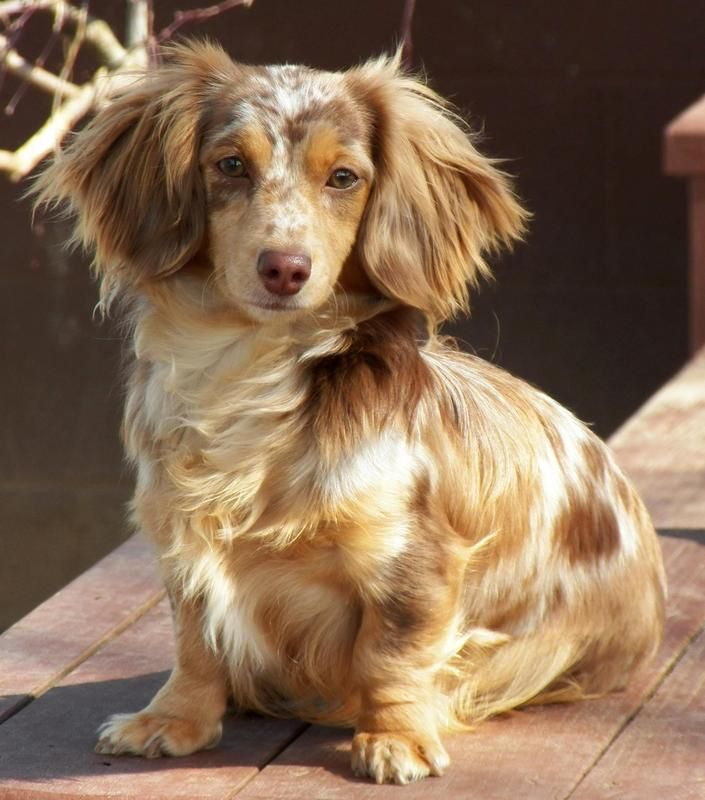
[[397, 652], [185, 715]]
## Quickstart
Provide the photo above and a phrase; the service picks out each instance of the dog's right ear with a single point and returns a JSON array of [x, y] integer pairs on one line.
[[437, 207], [131, 176]]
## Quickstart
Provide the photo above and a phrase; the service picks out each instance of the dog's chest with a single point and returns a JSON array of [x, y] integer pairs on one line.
[[265, 613], [228, 426]]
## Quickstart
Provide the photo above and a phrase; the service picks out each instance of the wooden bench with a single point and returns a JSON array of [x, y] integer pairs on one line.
[[104, 644]]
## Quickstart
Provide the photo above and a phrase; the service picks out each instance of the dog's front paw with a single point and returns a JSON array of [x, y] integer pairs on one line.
[[153, 735], [397, 757]]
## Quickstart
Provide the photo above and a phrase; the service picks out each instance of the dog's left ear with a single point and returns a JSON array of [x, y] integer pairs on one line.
[[436, 206]]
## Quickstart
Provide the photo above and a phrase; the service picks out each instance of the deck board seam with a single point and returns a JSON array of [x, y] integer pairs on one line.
[[275, 754], [88, 652], [23, 702]]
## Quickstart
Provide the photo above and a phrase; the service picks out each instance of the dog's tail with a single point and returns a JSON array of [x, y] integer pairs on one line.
[[502, 673], [556, 664]]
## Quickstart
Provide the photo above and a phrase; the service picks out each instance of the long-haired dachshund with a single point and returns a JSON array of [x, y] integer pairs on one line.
[[357, 524]]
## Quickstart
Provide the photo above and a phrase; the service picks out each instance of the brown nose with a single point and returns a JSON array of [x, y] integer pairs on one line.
[[283, 273]]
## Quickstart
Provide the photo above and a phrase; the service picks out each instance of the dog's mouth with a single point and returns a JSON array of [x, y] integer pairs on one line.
[[275, 304]]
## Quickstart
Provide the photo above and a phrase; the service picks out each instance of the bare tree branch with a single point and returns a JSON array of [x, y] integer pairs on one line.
[[62, 121], [97, 32], [41, 58], [118, 64], [7, 161], [138, 30], [37, 76], [46, 139], [107, 45], [407, 45], [11, 7], [74, 47], [182, 18]]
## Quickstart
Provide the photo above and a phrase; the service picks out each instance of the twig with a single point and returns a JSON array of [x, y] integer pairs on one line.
[[198, 15], [7, 161], [107, 45], [12, 7], [41, 58], [138, 30], [122, 64], [407, 45], [74, 47], [37, 76], [15, 28], [26, 157], [98, 32], [48, 137]]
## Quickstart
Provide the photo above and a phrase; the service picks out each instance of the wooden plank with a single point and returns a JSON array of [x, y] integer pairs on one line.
[[662, 448], [46, 751], [536, 754], [684, 142], [661, 754], [64, 630]]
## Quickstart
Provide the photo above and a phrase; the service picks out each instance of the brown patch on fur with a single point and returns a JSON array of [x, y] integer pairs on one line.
[[298, 127], [353, 277], [379, 376], [417, 578], [334, 113], [222, 190], [256, 147], [587, 530], [323, 149], [508, 614], [419, 581]]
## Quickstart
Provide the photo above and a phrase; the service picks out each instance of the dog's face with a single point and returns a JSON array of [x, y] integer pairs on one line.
[[287, 184], [287, 164]]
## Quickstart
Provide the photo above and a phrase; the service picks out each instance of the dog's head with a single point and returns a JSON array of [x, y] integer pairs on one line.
[[286, 183]]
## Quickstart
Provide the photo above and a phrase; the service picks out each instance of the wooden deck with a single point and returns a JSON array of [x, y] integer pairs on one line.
[[104, 644]]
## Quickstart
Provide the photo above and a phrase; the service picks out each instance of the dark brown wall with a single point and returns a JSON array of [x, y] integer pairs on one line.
[[592, 308]]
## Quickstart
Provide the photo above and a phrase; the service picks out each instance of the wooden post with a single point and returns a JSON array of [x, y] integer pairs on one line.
[[696, 222], [684, 155]]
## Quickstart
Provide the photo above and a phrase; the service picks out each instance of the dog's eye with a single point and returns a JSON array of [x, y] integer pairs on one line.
[[233, 167], [342, 179]]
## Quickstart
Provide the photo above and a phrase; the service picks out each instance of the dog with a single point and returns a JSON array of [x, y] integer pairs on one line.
[[357, 524]]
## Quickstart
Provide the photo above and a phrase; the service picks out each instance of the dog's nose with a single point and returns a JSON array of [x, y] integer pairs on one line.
[[283, 273]]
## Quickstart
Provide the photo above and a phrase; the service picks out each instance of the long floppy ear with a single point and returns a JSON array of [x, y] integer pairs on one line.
[[131, 176], [437, 206]]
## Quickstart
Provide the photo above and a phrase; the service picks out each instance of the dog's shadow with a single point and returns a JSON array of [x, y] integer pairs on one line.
[[53, 737]]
